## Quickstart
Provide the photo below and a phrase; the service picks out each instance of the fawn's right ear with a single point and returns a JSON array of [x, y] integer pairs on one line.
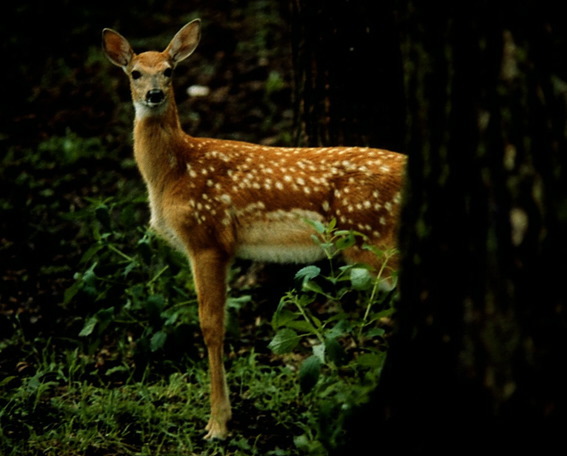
[[116, 48]]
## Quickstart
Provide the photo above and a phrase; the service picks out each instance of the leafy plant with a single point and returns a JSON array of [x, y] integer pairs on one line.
[[339, 320], [139, 285]]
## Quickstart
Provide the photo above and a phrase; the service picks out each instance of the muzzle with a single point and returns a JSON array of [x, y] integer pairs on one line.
[[155, 97]]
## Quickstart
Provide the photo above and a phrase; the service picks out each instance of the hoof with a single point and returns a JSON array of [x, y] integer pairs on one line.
[[216, 430]]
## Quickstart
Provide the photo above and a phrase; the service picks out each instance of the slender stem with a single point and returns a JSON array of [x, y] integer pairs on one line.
[[119, 252], [306, 317], [387, 256], [157, 276]]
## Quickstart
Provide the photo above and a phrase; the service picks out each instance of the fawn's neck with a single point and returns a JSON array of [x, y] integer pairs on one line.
[[158, 140]]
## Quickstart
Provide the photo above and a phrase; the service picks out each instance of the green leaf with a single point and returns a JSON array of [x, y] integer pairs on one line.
[[129, 268], [238, 302], [375, 332], [91, 252], [361, 279], [71, 292], [158, 341], [309, 373], [89, 327], [309, 285], [319, 352], [302, 326], [89, 280], [342, 327], [282, 317], [171, 317], [284, 341], [316, 225], [334, 351], [308, 273], [345, 241], [327, 247], [371, 360], [102, 318], [7, 380], [332, 225], [117, 369], [309, 445]]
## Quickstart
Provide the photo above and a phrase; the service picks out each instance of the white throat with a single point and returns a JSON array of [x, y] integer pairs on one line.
[[143, 110]]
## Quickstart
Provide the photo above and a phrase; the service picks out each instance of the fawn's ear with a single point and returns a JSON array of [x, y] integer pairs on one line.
[[116, 48], [184, 42]]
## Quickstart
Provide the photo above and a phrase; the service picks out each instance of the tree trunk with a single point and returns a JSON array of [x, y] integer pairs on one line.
[[348, 82], [478, 356]]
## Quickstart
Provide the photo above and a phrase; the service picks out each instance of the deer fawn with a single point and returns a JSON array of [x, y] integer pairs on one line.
[[217, 199]]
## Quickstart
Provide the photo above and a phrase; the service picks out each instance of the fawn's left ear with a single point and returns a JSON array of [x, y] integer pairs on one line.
[[116, 48], [184, 42]]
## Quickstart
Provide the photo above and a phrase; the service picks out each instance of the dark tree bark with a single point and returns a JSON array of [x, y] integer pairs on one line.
[[348, 82], [478, 359]]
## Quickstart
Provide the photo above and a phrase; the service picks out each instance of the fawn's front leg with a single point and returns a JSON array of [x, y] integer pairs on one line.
[[209, 273]]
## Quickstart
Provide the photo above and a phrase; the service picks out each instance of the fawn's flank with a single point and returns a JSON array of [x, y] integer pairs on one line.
[[216, 199]]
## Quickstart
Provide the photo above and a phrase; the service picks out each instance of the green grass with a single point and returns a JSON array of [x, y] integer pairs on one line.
[[55, 412]]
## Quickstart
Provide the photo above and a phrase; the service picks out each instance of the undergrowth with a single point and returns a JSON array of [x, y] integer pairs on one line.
[[338, 319], [132, 379]]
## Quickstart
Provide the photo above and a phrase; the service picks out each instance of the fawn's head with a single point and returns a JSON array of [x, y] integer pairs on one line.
[[150, 72]]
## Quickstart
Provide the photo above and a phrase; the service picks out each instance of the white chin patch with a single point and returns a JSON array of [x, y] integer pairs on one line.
[[144, 109]]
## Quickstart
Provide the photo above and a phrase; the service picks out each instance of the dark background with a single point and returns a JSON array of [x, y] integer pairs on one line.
[[474, 92]]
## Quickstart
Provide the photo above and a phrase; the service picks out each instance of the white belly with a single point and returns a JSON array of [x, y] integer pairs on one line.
[[279, 237], [280, 253]]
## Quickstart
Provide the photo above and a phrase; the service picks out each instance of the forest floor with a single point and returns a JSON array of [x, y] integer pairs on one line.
[[100, 350]]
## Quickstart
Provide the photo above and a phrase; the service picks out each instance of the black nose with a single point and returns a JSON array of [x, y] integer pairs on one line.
[[155, 96]]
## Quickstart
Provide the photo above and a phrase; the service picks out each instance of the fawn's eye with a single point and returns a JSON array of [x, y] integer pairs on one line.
[[136, 74], [168, 72]]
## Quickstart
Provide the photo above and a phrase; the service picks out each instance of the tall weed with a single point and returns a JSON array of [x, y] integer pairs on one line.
[[338, 320]]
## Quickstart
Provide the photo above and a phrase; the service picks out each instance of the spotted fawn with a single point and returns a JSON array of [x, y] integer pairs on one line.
[[216, 199]]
